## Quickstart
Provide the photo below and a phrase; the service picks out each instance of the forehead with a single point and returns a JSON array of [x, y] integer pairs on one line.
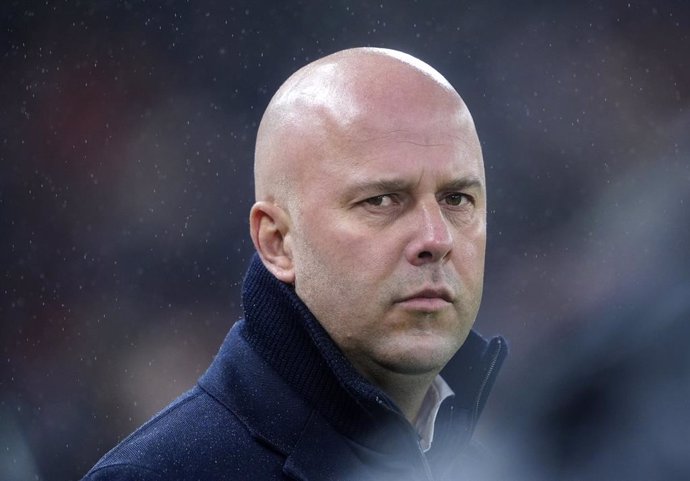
[[373, 128], [405, 158]]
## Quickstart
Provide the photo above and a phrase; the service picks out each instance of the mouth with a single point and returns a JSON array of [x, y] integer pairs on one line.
[[427, 300]]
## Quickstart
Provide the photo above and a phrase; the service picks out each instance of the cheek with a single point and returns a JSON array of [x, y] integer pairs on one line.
[[324, 254], [346, 247], [338, 268], [470, 252]]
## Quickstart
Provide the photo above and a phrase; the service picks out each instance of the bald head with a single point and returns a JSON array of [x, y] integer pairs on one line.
[[340, 100]]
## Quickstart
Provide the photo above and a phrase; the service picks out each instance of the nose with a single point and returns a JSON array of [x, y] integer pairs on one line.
[[432, 238]]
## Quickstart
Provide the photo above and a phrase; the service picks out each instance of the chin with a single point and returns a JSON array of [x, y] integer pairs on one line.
[[420, 358], [415, 367]]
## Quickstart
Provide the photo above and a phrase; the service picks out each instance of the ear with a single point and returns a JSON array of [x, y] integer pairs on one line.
[[269, 226]]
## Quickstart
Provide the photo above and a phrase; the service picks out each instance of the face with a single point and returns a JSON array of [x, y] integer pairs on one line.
[[388, 239]]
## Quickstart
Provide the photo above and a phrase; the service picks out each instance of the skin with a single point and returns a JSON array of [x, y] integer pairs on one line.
[[371, 201]]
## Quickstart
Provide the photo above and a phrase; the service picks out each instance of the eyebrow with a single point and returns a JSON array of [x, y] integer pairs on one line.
[[399, 185], [464, 183]]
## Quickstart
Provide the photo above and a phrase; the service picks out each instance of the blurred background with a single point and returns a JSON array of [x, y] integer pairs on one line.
[[126, 144]]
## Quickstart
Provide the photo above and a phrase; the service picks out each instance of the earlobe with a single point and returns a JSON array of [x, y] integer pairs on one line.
[[269, 227]]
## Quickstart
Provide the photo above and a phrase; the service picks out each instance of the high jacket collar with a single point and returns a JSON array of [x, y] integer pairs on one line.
[[282, 330]]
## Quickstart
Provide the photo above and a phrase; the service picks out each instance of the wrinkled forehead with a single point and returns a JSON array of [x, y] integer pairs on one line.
[[368, 124], [439, 147]]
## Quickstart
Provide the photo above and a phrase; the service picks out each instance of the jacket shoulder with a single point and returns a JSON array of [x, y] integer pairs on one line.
[[193, 435], [122, 472]]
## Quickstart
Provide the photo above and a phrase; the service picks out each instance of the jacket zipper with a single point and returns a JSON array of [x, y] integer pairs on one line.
[[485, 381]]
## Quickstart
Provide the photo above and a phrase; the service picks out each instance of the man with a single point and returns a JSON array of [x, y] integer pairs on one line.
[[370, 229]]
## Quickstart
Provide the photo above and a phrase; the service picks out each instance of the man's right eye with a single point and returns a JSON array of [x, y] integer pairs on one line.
[[384, 200]]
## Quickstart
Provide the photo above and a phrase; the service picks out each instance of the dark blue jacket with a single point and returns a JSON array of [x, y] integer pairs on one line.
[[280, 401]]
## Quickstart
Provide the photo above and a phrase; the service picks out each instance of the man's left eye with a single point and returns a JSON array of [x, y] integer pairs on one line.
[[456, 198]]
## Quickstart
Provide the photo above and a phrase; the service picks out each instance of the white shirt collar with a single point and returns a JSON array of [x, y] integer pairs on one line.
[[426, 419]]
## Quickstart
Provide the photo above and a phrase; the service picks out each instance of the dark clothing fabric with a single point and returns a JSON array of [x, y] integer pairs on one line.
[[280, 401]]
